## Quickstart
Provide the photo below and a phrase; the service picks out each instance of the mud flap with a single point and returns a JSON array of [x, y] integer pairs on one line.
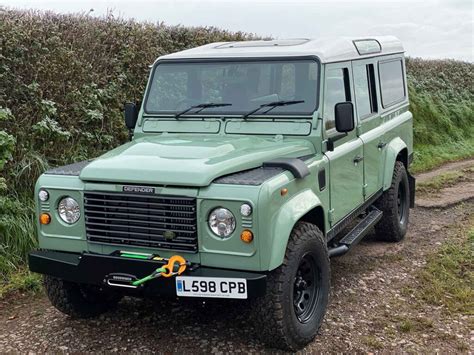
[[412, 185]]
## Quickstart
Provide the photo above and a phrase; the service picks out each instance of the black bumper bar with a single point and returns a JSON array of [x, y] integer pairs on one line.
[[96, 269]]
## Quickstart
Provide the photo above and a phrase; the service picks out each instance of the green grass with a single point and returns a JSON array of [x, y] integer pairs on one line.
[[442, 102], [21, 281], [372, 342], [429, 156], [448, 277], [408, 324], [17, 238], [447, 179]]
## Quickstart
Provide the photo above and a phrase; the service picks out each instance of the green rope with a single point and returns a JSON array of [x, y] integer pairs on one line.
[[155, 274]]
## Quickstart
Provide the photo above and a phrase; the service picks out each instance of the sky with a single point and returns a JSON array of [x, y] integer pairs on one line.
[[428, 29]]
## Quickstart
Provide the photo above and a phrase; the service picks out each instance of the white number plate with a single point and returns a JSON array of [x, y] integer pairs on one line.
[[211, 287]]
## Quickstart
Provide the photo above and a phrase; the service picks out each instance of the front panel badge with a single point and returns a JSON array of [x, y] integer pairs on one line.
[[139, 189]]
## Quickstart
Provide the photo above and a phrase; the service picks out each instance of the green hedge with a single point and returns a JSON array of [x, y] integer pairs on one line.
[[442, 101], [63, 81], [64, 78]]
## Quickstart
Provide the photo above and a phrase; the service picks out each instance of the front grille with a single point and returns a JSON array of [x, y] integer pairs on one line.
[[165, 222]]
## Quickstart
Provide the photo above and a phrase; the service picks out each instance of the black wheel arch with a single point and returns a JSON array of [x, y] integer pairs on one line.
[[315, 216]]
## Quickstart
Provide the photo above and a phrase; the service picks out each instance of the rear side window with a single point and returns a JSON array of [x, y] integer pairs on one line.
[[364, 85], [392, 85]]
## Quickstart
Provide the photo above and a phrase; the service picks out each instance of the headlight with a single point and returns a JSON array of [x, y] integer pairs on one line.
[[68, 210], [222, 222]]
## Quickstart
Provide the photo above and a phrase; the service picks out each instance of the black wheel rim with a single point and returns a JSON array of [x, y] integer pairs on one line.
[[402, 203], [306, 289]]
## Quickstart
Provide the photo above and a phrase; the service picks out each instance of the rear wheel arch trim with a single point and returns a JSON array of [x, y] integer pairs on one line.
[[396, 150]]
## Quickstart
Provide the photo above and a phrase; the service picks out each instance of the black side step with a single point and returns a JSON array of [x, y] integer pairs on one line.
[[357, 233]]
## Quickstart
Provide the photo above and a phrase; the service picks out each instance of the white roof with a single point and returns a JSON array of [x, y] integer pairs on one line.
[[326, 49]]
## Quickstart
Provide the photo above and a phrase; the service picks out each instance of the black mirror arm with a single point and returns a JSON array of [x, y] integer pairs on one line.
[[333, 139]]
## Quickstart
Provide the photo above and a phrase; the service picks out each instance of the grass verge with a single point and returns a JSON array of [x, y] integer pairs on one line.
[[448, 277], [17, 238], [428, 157], [23, 281], [447, 179]]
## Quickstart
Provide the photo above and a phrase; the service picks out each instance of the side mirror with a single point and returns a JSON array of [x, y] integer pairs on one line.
[[131, 115], [344, 117]]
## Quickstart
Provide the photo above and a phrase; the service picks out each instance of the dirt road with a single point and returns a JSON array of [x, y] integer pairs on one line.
[[372, 301]]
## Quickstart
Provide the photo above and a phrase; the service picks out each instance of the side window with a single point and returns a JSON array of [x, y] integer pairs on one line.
[[336, 90], [364, 87], [391, 82]]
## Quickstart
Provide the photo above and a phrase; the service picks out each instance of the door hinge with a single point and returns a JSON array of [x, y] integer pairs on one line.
[[330, 215], [364, 190]]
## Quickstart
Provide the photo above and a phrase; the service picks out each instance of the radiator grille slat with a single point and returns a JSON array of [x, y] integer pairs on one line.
[[155, 221]]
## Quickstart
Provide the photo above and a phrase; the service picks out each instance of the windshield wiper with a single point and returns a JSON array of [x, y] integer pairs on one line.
[[201, 107], [272, 105]]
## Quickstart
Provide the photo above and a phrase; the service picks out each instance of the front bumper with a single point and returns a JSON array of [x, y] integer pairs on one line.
[[88, 268]]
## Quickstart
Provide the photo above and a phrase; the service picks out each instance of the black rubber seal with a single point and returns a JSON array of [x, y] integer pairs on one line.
[[296, 166]]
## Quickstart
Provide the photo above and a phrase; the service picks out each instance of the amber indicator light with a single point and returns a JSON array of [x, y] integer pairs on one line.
[[246, 236], [283, 191], [45, 218]]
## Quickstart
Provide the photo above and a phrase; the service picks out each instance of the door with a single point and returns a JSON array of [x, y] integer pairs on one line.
[[370, 128], [346, 165]]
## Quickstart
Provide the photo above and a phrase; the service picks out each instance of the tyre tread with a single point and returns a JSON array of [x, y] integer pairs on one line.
[[388, 228], [269, 310], [68, 298]]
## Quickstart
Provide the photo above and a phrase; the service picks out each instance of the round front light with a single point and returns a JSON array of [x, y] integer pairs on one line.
[[43, 195], [222, 222], [245, 210], [68, 210]]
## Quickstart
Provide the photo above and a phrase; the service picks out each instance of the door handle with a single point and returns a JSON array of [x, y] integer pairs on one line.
[[381, 145], [358, 159]]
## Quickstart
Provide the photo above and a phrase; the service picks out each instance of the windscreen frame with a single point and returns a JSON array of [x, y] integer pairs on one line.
[[236, 60]]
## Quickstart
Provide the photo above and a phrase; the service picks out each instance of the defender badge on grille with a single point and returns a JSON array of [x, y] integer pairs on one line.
[[169, 235], [139, 189]]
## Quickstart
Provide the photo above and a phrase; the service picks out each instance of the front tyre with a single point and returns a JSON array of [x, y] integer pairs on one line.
[[395, 205], [290, 314], [78, 300]]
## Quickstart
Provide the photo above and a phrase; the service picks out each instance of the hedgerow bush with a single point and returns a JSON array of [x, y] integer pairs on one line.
[[63, 81], [441, 96], [64, 78]]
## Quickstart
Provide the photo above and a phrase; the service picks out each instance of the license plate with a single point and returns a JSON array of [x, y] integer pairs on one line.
[[217, 287]]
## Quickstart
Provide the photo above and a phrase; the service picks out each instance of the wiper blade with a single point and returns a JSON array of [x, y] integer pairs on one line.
[[201, 107], [272, 105]]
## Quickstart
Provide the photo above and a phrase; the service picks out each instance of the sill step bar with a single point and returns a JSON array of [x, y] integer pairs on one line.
[[357, 233]]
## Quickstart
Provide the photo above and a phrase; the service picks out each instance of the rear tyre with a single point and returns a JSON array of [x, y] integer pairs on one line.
[[78, 300], [395, 205], [290, 314]]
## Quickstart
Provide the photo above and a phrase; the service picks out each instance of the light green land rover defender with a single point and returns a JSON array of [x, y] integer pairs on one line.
[[250, 165]]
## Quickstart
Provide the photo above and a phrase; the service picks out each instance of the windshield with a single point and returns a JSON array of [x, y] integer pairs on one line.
[[244, 85]]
